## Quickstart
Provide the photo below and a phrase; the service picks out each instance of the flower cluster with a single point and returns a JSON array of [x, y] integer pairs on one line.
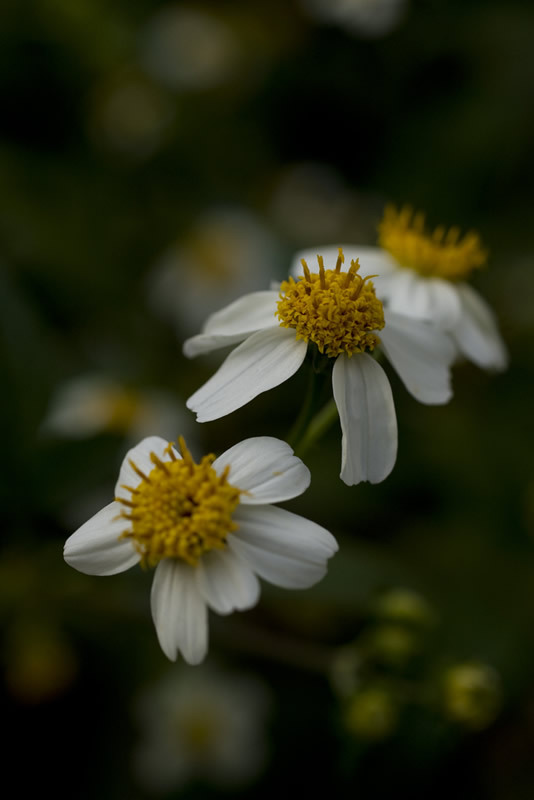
[[210, 529], [339, 312]]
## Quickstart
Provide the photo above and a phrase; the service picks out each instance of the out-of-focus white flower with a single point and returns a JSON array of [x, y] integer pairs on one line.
[[208, 538], [338, 311], [130, 115], [227, 248], [423, 276], [206, 725], [372, 18], [188, 49], [93, 404]]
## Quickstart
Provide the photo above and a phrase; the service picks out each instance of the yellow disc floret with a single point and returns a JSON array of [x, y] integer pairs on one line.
[[180, 509], [441, 254], [337, 310]]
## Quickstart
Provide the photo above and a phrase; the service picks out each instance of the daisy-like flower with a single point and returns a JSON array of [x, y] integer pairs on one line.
[[205, 268], [423, 275], [209, 529], [338, 312], [92, 404], [206, 725]]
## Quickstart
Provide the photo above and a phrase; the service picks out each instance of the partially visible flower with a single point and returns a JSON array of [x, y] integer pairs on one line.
[[209, 529], [372, 18], [226, 248], [207, 725], [337, 311], [188, 49], [93, 404], [423, 276], [130, 115]]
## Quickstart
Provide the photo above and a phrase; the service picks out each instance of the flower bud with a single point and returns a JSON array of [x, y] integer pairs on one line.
[[371, 714], [472, 694], [404, 606]]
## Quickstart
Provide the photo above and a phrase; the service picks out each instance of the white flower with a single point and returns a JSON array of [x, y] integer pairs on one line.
[[92, 404], [188, 49], [204, 724], [209, 529], [372, 18], [339, 312], [226, 247], [422, 275]]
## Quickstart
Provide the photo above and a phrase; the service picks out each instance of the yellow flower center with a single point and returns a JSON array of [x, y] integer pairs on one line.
[[441, 254], [123, 406], [337, 310], [180, 509]]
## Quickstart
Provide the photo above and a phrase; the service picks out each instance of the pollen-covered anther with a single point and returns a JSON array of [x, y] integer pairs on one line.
[[180, 509], [440, 254], [336, 309]]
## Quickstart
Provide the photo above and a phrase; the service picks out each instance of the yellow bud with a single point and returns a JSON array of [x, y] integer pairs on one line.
[[371, 714], [472, 694], [393, 645], [404, 606]]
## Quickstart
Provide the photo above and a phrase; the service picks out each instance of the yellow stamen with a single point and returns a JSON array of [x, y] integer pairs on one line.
[[306, 269], [439, 254], [180, 509], [336, 310], [321, 272]]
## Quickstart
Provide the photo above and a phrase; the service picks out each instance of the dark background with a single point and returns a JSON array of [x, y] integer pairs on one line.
[[279, 131]]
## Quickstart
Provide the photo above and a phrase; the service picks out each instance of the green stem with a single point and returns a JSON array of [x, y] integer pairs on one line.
[[307, 410], [317, 427]]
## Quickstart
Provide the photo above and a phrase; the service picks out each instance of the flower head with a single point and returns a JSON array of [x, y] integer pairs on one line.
[[92, 404], [208, 528], [337, 311], [441, 254], [423, 275], [226, 248], [204, 724]]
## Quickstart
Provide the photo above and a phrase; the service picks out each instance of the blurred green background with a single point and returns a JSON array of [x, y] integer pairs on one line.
[[159, 160]]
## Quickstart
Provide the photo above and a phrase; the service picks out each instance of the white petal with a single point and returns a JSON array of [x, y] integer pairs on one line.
[[250, 313], [477, 335], [179, 612], [226, 582], [281, 547], [412, 295], [373, 260], [97, 549], [367, 416], [266, 469], [264, 360], [437, 300], [140, 455], [396, 289], [421, 354]]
